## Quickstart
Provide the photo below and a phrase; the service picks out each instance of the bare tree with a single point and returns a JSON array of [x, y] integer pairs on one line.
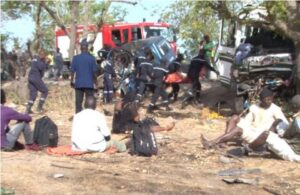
[[74, 14]]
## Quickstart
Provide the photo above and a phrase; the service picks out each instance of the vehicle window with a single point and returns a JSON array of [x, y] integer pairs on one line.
[[125, 35], [136, 33], [164, 47], [116, 37], [151, 31], [228, 31]]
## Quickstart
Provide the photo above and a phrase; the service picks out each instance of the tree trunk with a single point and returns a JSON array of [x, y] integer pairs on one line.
[[55, 17], [101, 20], [74, 16], [36, 46], [86, 19], [297, 62]]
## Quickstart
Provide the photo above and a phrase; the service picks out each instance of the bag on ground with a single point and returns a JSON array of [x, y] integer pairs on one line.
[[45, 132], [143, 138]]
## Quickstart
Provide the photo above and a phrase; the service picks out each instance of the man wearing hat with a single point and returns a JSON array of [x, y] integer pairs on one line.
[[261, 117], [84, 68]]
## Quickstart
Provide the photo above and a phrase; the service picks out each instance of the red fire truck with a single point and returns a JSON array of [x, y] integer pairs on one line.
[[116, 34]]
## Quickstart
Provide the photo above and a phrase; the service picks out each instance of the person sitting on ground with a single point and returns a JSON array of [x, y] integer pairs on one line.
[[292, 133], [286, 146], [137, 114], [143, 141], [90, 132], [130, 115], [261, 117], [122, 115], [9, 136]]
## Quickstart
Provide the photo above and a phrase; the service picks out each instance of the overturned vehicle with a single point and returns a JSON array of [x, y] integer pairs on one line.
[[124, 57], [250, 58]]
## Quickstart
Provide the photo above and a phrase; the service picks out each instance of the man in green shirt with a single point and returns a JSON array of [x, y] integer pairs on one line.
[[208, 49]]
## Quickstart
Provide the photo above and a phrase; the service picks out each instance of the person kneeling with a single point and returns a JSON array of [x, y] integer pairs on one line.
[[90, 132]]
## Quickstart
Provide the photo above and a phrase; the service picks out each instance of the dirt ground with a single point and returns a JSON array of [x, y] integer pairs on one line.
[[181, 167]]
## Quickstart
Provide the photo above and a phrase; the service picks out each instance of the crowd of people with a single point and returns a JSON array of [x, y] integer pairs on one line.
[[264, 125]]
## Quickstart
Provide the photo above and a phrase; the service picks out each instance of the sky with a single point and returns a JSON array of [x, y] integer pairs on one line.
[[23, 28]]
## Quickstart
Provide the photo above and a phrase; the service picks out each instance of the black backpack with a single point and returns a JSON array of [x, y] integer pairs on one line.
[[143, 138], [45, 132]]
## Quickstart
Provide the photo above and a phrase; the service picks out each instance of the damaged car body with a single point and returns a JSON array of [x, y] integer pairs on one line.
[[250, 57]]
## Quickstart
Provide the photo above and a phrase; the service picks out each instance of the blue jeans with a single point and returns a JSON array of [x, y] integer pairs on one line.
[[13, 135]]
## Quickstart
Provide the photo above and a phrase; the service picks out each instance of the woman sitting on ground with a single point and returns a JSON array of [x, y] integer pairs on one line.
[[122, 117], [127, 114]]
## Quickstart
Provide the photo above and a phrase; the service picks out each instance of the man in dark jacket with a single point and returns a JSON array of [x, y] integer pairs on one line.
[[84, 68], [35, 83], [109, 74], [159, 72], [144, 73], [175, 67], [197, 63]]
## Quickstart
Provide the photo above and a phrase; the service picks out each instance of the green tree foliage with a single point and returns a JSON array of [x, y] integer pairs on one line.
[[16, 9], [99, 12], [192, 20], [4, 39]]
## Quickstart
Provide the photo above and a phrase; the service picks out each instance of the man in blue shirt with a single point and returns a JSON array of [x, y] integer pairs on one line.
[[84, 68]]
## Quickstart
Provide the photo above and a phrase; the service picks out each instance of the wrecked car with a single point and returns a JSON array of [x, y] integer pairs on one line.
[[249, 58]]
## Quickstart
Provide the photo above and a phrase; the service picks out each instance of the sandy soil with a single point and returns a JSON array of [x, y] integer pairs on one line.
[[181, 167]]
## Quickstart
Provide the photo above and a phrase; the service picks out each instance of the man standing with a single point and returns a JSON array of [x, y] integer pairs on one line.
[[109, 74], [35, 83], [159, 72], [144, 73], [84, 69], [208, 48], [174, 67], [197, 64], [59, 63]]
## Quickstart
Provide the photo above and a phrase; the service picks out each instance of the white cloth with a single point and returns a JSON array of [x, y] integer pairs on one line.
[[88, 131], [259, 120], [281, 148]]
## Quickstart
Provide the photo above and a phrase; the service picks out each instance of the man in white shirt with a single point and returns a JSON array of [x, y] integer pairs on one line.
[[287, 145], [90, 131], [260, 118]]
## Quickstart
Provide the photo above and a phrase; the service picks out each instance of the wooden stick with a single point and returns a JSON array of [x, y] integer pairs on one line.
[[234, 157], [60, 166]]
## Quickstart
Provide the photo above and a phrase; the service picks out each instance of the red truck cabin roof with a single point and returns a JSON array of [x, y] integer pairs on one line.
[[117, 34]]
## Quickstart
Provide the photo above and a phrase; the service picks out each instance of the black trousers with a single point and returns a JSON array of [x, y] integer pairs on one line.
[[196, 87], [159, 91], [108, 90], [79, 94], [175, 89], [36, 85]]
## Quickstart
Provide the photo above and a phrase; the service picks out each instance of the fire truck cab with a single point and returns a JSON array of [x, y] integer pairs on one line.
[[114, 35]]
